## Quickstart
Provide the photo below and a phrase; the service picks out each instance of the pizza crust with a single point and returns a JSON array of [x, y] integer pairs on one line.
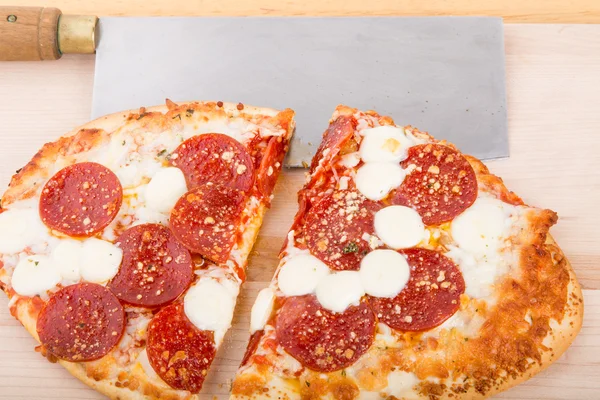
[[91, 134], [24, 184], [562, 334], [559, 339]]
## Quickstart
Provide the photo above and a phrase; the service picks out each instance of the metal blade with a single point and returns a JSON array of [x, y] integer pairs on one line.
[[444, 75]]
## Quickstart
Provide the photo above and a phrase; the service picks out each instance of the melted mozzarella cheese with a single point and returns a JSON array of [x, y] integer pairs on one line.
[[100, 260], [145, 215], [301, 274], [209, 306], [144, 363], [338, 291], [343, 183], [399, 227], [463, 322], [375, 180], [34, 275], [164, 189], [135, 169], [262, 309], [350, 160], [67, 256], [161, 144], [20, 228], [384, 336], [481, 228], [479, 273], [479, 233], [365, 395], [238, 128], [384, 144], [400, 385], [384, 273], [112, 155]]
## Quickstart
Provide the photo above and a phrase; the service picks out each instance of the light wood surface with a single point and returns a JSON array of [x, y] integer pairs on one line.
[[554, 121], [523, 11]]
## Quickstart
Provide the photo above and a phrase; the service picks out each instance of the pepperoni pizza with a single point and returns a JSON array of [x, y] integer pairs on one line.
[[410, 272], [123, 244]]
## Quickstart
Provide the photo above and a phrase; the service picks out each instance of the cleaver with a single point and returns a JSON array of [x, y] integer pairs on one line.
[[444, 75]]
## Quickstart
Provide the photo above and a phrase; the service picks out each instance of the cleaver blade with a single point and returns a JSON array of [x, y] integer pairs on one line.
[[444, 75]]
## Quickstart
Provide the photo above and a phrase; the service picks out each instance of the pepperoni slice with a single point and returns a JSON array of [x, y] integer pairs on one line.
[[252, 346], [206, 220], [81, 199], [81, 322], [270, 166], [334, 138], [156, 267], [431, 296], [441, 185], [179, 352], [216, 158], [337, 228], [320, 339]]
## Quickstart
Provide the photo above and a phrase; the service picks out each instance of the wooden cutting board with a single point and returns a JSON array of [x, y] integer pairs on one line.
[[553, 74]]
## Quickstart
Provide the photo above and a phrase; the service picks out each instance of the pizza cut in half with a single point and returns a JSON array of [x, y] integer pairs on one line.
[[124, 243], [410, 272]]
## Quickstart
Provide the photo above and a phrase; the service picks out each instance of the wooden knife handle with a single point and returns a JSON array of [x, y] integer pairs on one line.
[[29, 33]]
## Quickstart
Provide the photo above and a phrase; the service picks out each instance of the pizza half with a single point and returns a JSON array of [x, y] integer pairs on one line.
[[410, 272], [124, 244]]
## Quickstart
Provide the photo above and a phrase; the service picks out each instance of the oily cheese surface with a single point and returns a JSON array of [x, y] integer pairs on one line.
[[106, 375]]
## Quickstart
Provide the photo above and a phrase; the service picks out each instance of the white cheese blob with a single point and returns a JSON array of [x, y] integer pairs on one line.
[[128, 175], [400, 385], [262, 309], [34, 275], [479, 274], [209, 306], [375, 180], [67, 257], [338, 291], [20, 228], [350, 160], [481, 227], [144, 362], [164, 189], [100, 260], [384, 144], [399, 227], [145, 215], [301, 274], [384, 273]]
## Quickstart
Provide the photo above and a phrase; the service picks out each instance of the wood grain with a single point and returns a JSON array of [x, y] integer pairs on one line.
[[28, 33], [528, 11], [554, 115]]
